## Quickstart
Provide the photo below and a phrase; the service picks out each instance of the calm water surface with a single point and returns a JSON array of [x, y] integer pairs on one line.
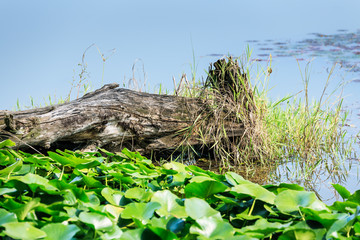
[[321, 52]]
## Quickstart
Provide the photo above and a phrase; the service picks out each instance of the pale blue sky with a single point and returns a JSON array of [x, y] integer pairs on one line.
[[42, 41]]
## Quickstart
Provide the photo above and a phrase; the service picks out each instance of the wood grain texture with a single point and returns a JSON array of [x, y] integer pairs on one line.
[[111, 118]]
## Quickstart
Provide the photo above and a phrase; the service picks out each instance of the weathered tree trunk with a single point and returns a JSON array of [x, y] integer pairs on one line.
[[110, 118]]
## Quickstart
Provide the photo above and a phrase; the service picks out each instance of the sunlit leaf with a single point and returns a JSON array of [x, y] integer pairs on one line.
[[141, 211], [114, 233], [302, 230], [114, 211], [7, 190], [23, 230], [139, 194], [26, 208], [204, 189], [212, 228], [12, 168], [170, 204], [7, 217], [35, 181], [113, 196], [289, 201], [198, 208], [7, 143], [59, 231], [234, 178], [344, 193], [264, 227], [97, 220], [255, 191]]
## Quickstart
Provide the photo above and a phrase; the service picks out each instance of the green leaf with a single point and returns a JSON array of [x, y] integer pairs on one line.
[[99, 221], [135, 234], [140, 211], [340, 225], [264, 227], [163, 233], [26, 208], [35, 181], [139, 194], [7, 190], [112, 196], [355, 197], [7, 217], [344, 193], [204, 189], [300, 234], [114, 211], [59, 231], [173, 224], [302, 230], [289, 201], [62, 160], [169, 204], [12, 168], [323, 217], [198, 208], [139, 234], [197, 171], [234, 178], [114, 233], [357, 228], [255, 191], [23, 230], [179, 167], [212, 228], [7, 143], [92, 182]]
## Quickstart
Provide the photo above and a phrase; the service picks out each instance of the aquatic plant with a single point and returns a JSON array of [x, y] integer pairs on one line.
[[76, 195]]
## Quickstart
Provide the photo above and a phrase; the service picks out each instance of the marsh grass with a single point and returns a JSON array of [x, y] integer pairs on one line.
[[294, 128]]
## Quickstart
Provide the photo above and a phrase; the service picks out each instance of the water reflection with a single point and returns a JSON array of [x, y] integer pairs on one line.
[[319, 176], [342, 48]]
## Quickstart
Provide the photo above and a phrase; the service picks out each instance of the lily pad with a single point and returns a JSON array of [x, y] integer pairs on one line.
[[255, 191], [289, 201], [204, 189], [198, 208], [140, 211], [59, 231], [23, 230], [169, 204], [212, 228]]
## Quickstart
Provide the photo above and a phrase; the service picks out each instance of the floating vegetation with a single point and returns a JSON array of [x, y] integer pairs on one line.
[[342, 47], [75, 195]]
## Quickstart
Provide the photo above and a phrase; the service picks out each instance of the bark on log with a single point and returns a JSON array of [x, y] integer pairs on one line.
[[110, 118]]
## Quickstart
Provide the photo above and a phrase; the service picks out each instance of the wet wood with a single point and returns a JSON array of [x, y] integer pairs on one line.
[[110, 118]]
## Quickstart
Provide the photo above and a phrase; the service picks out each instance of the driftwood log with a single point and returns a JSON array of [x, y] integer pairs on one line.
[[109, 118]]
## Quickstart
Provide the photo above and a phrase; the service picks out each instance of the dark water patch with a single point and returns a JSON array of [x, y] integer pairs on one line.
[[342, 47], [266, 49], [356, 80], [215, 55]]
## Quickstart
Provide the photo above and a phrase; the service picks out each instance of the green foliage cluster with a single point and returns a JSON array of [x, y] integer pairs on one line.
[[75, 195]]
